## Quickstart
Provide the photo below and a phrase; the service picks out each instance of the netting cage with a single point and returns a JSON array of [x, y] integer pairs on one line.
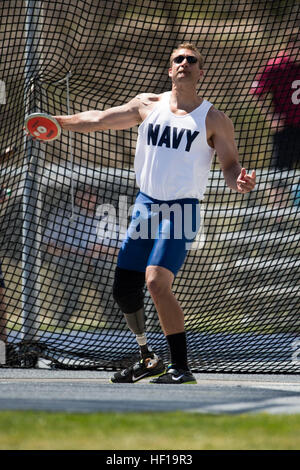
[[239, 285]]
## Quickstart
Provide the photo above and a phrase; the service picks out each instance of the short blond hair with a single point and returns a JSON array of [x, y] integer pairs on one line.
[[190, 47]]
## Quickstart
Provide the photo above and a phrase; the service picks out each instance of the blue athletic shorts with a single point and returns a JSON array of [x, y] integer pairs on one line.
[[160, 233]]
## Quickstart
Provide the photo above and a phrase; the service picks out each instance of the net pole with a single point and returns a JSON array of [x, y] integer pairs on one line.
[[31, 201]]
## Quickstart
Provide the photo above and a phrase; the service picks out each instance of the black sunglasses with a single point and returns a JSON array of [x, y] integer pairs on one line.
[[190, 58]]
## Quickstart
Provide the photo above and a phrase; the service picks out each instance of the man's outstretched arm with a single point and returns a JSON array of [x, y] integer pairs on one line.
[[117, 118]]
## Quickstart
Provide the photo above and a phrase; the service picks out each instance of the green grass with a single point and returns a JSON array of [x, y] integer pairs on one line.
[[33, 430]]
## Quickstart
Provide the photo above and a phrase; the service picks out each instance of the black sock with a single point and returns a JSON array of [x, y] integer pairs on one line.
[[178, 350]]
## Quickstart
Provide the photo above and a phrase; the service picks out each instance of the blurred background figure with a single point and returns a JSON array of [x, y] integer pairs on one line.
[[10, 349], [279, 81], [78, 255], [3, 314]]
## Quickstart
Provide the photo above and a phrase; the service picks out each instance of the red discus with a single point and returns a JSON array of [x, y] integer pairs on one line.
[[42, 126]]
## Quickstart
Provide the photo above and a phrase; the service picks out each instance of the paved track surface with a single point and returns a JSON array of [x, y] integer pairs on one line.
[[91, 391]]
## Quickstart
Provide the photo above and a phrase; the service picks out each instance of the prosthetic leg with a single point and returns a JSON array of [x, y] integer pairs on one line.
[[136, 323], [128, 292]]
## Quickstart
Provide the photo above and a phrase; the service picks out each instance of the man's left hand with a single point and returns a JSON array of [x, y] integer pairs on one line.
[[246, 182]]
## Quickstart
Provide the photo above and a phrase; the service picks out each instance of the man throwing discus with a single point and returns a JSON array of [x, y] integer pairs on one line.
[[179, 132]]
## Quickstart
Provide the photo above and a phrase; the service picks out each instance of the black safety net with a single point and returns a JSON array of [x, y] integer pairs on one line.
[[239, 286]]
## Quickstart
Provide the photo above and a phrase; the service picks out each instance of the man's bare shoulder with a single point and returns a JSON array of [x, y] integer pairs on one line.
[[215, 117], [148, 98], [146, 102]]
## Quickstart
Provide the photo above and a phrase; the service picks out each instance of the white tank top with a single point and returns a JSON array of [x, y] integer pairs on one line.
[[173, 158]]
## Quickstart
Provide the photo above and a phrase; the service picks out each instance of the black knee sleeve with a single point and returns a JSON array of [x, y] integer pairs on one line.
[[128, 289]]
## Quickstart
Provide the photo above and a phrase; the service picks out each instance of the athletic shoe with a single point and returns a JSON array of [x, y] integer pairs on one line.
[[175, 376], [151, 366]]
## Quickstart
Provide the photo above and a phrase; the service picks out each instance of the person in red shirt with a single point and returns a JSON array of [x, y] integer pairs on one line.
[[281, 78]]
